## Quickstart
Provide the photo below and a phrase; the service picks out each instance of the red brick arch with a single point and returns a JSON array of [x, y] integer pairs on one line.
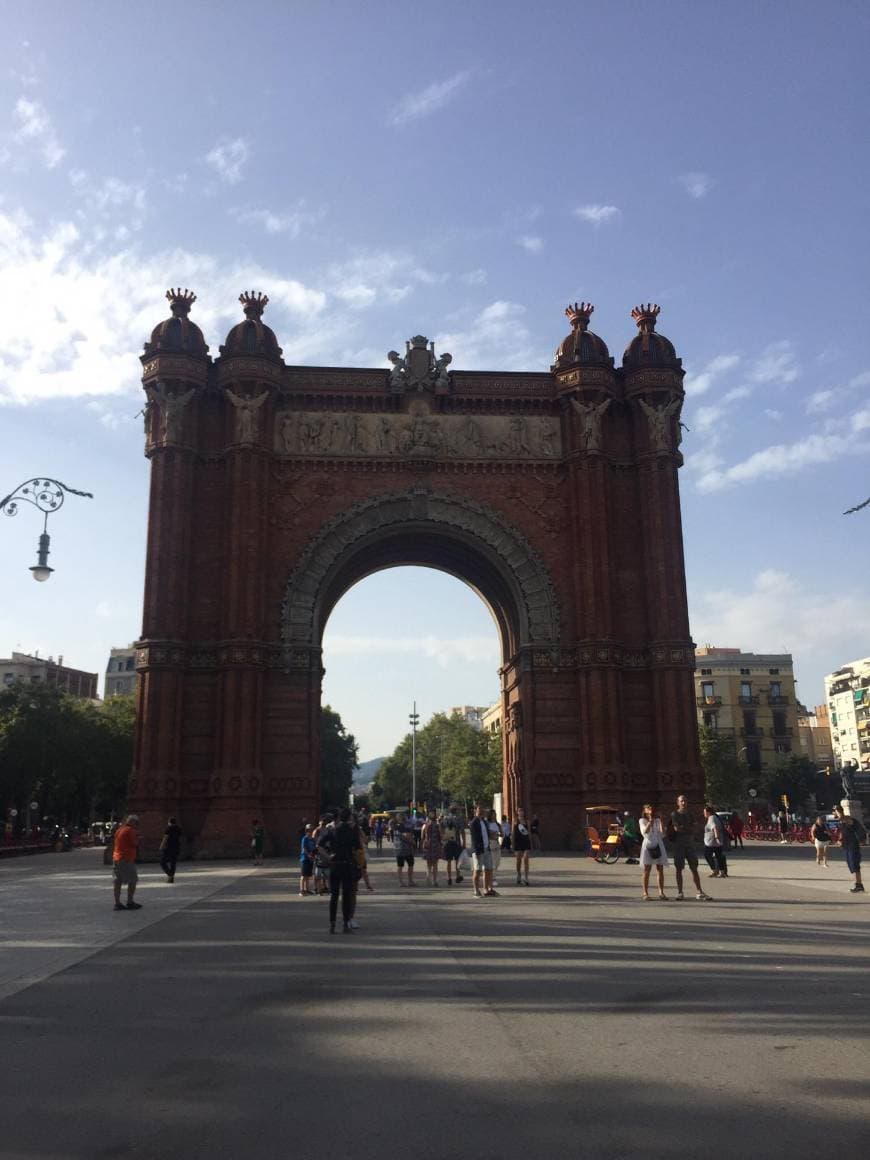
[[275, 488]]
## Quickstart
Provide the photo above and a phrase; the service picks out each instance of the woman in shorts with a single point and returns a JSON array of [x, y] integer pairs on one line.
[[521, 841], [307, 850], [821, 836]]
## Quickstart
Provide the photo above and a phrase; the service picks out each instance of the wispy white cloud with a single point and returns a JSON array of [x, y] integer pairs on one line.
[[445, 651], [381, 275], [696, 184], [33, 126], [777, 613], [788, 458], [105, 196], [700, 383], [291, 222], [773, 414], [532, 243], [413, 106], [73, 316], [473, 277], [825, 399], [496, 336], [597, 215], [228, 159], [777, 364]]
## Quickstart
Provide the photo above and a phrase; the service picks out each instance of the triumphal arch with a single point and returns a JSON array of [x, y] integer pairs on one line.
[[275, 488]]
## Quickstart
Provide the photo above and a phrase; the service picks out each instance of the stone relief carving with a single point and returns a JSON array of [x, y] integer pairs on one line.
[[591, 415], [417, 435], [246, 408], [658, 419], [172, 408], [419, 369]]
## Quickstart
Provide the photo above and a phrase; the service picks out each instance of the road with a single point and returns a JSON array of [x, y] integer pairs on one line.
[[222, 1020]]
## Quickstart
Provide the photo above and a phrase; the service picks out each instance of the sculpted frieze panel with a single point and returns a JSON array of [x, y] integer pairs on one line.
[[417, 435]]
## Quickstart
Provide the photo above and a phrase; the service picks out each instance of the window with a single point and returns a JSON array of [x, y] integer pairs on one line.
[[708, 689], [750, 724], [779, 725], [773, 672], [776, 688], [710, 721], [706, 672], [745, 688], [745, 672], [782, 747], [130, 663]]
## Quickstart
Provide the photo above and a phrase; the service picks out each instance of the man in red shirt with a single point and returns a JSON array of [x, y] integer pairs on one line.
[[124, 862]]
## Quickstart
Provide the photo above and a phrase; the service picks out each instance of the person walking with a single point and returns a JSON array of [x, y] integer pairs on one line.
[[494, 827], [652, 851], [784, 827], [481, 855], [737, 830], [453, 834], [340, 843], [124, 855], [307, 851], [506, 834], [821, 837], [431, 847], [630, 838], [681, 831], [379, 835], [521, 841], [714, 843], [403, 846], [852, 834], [170, 848], [258, 840]]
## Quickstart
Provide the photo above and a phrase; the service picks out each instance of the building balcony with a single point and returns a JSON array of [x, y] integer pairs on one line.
[[782, 731], [777, 700], [753, 731], [722, 730], [708, 702], [747, 700]]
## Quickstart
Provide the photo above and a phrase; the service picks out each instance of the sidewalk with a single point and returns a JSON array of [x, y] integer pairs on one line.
[[569, 1018]]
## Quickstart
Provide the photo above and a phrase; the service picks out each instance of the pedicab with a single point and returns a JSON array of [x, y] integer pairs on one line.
[[604, 833]]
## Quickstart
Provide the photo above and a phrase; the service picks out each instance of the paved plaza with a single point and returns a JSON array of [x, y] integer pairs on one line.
[[569, 1019]]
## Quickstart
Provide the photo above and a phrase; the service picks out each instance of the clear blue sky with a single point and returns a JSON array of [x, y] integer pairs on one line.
[[463, 171]]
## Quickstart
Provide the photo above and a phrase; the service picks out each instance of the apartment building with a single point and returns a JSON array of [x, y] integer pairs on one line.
[[814, 733], [848, 695], [750, 699], [121, 675], [48, 671]]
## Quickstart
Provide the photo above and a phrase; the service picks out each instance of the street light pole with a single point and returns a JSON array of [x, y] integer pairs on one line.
[[414, 718], [46, 495]]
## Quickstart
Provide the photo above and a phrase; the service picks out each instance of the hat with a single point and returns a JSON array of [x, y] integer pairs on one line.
[[309, 826], [133, 818]]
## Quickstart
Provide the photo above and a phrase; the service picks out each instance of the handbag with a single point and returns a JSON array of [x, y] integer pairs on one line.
[[654, 851]]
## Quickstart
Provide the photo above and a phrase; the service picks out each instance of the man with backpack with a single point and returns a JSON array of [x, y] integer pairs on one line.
[[852, 834]]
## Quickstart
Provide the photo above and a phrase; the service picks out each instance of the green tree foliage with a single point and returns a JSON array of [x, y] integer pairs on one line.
[[71, 756], [338, 759], [795, 776], [724, 774], [455, 762]]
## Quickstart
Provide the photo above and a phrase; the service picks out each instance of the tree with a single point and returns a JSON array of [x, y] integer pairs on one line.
[[724, 774], [339, 753], [455, 762], [795, 776]]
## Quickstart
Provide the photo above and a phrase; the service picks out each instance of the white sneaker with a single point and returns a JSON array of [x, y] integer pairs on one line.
[[679, 896], [702, 897], [353, 925]]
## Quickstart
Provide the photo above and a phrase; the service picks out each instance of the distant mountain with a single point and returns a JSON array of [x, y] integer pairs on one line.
[[367, 771]]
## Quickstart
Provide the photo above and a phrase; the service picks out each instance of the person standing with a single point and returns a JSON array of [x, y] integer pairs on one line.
[[124, 854], [682, 833], [432, 847], [340, 843], [258, 840], [535, 829], [506, 834], [307, 850], [652, 851], [494, 827], [453, 833], [481, 855], [630, 838], [852, 834], [170, 848], [521, 841], [379, 835], [821, 836], [714, 843], [784, 827]]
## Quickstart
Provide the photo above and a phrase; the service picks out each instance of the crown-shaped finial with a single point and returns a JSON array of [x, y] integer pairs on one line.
[[645, 316], [180, 302], [579, 314], [253, 303]]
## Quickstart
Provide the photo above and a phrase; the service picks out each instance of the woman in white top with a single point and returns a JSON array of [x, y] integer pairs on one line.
[[652, 851]]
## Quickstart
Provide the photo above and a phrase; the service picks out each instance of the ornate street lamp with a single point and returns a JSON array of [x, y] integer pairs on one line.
[[46, 495]]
